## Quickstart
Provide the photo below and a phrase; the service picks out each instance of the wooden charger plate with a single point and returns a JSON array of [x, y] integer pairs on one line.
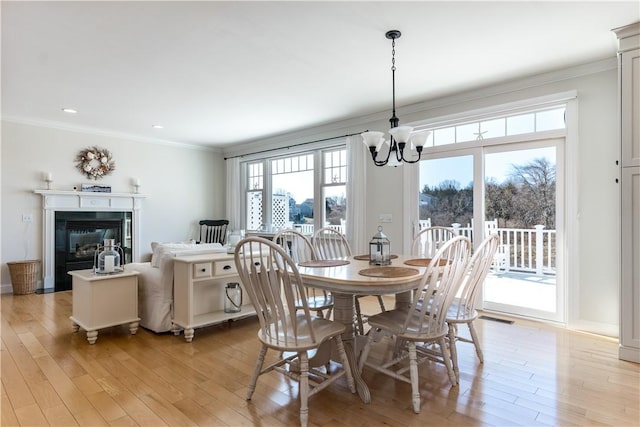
[[424, 262], [366, 257], [324, 263], [388, 272]]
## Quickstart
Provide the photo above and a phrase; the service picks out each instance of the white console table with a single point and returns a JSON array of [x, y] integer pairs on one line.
[[199, 292], [101, 301]]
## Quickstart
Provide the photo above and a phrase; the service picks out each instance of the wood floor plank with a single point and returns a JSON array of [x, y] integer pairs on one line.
[[535, 374]]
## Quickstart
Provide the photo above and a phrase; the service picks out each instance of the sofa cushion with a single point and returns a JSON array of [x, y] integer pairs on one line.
[[182, 249]]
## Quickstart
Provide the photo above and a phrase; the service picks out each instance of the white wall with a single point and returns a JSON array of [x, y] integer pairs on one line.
[[183, 184]]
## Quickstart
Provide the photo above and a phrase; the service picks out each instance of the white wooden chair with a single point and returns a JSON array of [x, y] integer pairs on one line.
[[300, 249], [331, 244], [463, 308], [421, 323], [272, 281], [429, 240]]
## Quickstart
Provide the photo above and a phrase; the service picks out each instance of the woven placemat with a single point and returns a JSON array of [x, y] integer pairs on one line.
[[424, 262], [388, 272], [324, 263], [366, 257]]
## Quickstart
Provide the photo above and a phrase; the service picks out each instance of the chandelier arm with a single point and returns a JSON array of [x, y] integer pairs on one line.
[[374, 154]]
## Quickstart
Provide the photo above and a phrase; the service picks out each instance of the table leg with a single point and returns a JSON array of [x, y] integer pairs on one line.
[[188, 334], [343, 312], [92, 336], [133, 327]]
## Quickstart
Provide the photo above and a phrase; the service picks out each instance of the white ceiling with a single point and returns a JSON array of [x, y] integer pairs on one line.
[[216, 73]]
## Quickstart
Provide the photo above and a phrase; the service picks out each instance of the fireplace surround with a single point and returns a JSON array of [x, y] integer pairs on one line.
[[104, 209]]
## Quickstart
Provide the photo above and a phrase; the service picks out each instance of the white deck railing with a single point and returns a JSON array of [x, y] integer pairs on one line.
[[531, 250]]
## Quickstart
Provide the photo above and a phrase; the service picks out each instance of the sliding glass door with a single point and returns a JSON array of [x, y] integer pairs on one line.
[[514, 190], [524, 205]]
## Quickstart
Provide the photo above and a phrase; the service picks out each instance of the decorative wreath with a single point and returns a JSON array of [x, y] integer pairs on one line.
[[95, 162]]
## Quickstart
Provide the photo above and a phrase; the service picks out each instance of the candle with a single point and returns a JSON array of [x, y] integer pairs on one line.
[[48, 177], [136, 181], [109, 263]]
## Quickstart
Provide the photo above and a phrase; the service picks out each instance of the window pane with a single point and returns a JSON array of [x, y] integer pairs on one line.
[[446, 191], [468, 132], [335, 169], [548, 120], [444, 136], [520, 124], [254, 210], [492, 128], [335, 206], [292, 199], [255, 181]]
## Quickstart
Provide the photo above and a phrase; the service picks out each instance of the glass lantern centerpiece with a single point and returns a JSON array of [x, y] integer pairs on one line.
[[233, 238], [380, 249], [108, 258]]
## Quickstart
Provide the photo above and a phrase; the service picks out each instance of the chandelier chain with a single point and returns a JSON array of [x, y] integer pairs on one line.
[[393, 55]]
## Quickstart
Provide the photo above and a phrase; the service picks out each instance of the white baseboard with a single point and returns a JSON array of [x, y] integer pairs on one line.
[[6, 289], [629, 354]]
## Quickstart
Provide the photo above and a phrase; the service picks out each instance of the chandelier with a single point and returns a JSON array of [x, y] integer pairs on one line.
[[400, 136]]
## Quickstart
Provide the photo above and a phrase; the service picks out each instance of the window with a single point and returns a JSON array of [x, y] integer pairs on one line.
[[495, 127], [303, 191]]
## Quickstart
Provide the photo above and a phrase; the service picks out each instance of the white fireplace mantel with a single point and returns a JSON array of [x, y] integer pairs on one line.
[[76, 201]]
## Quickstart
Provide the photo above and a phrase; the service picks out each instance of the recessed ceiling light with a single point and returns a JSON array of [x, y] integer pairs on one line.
[[69, 110], [157, 126]]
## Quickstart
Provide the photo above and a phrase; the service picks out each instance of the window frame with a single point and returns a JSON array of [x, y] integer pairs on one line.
[[318, 153]]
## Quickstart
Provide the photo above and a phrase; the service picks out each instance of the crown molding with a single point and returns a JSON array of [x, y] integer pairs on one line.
[[101, 132]]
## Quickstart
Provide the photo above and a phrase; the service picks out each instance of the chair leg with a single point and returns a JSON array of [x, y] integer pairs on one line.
[[360, 324], [381, 303], [476, 342], [365, 351], [413, 373], [304, 388], [446, 357], [256, 372], [454, 351]]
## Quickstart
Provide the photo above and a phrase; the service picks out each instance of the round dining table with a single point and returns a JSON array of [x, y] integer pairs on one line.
[[355, 276]]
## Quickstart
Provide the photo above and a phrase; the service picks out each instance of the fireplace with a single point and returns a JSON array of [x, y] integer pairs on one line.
[[74, 222], [78, 235]]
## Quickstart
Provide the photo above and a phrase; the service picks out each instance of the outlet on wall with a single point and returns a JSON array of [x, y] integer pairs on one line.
[[385, 217], [27, 218]]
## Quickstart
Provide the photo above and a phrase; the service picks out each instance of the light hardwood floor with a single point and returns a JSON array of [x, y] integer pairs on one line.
[[534, 374]]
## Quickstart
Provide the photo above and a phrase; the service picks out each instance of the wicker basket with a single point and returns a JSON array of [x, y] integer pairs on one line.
[[24, 276]]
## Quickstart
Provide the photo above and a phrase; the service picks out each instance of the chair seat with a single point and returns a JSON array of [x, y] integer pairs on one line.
[[319, 302], [393, 321], [300, 340], [457, 314]]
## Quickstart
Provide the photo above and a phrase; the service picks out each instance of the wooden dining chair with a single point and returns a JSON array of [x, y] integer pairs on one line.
[[213, 231], [421, 323], [300, 249], [273, 283], [463, 307], [429, 240], [331, 244]]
